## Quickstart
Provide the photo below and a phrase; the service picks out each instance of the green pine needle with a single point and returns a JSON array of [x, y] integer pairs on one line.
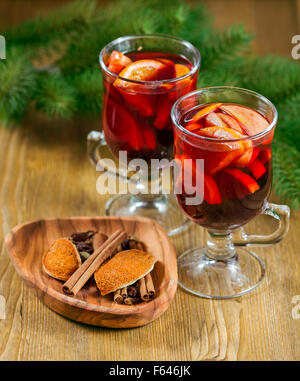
[[50, 32], [275, 77], [89, 87], [223, 48], [286, 180], [55, 97], [18, 81]]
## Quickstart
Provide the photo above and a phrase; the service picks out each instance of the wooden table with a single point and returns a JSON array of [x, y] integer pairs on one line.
[[44, 172]]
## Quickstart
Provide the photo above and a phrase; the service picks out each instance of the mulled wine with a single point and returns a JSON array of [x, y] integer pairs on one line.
[[138, 99], [237, 172]]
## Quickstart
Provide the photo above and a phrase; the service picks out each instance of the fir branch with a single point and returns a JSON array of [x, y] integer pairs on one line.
[[89, 89], [195, 24], [288, 129], [18, 81], [220, 76], [222, 48], [55, 97], [286, 178], [156, 17], [275, 77], [50, 32]]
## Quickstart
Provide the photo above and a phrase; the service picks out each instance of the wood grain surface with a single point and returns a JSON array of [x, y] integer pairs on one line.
[[44, 173], [28, 242]]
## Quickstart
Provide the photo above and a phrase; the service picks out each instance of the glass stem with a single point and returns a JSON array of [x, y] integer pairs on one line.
[[220, 246], [154, 187]]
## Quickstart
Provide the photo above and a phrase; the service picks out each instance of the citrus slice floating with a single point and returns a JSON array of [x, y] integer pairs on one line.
[[265, 155], [142, 70], [117, 62], [230, 122], [212, 119], [193, 127], [223, 153], [211, 191], [247, 181], [251, 121], [257, 169], [181, 70], [205, 111]]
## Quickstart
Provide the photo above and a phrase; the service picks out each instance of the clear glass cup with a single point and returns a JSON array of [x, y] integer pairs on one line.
[[223, 269], [136, 119]]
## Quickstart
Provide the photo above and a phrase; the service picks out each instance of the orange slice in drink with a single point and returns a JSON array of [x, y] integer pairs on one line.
[[211, 191], [181, 70], [257, 169], [221, 154], [247, 181], [205, 111], [193, 127], [142, 70], [117, 62], [224, 133]]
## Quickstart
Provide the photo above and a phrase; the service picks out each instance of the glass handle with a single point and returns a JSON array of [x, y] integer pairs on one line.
[[95, 140], [281, 213]]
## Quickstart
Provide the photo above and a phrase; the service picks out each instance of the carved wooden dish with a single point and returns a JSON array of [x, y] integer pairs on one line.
[[26, 244]]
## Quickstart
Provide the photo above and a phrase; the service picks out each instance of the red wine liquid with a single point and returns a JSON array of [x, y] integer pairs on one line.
[[136, 118], [235, 190]]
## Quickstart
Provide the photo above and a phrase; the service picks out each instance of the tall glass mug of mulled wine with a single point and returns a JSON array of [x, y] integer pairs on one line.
[[223, 147], [143, 76]]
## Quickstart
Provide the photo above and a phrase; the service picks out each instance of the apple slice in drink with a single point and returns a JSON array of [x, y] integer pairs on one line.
[[212, 119], [230, 122], [251, 121]]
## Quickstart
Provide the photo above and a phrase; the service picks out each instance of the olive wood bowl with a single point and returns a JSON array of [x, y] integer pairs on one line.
[[26, 244]]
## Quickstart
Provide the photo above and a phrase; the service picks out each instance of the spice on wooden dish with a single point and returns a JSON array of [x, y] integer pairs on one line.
[[124, 269], [62, 259], [120, 264]]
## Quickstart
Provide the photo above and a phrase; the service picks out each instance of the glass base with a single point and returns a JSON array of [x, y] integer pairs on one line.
[[220, 279], [163, 209]]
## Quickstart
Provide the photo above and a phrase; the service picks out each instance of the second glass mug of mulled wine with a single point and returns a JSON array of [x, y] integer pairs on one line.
[[223, 144], [143, 76]]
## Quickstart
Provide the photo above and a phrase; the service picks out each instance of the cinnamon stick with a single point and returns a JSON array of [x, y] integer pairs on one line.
[[129, 301], [150, 285], [118, 298], [124, 292], [87, 269], [143, 290], [146, 287]]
